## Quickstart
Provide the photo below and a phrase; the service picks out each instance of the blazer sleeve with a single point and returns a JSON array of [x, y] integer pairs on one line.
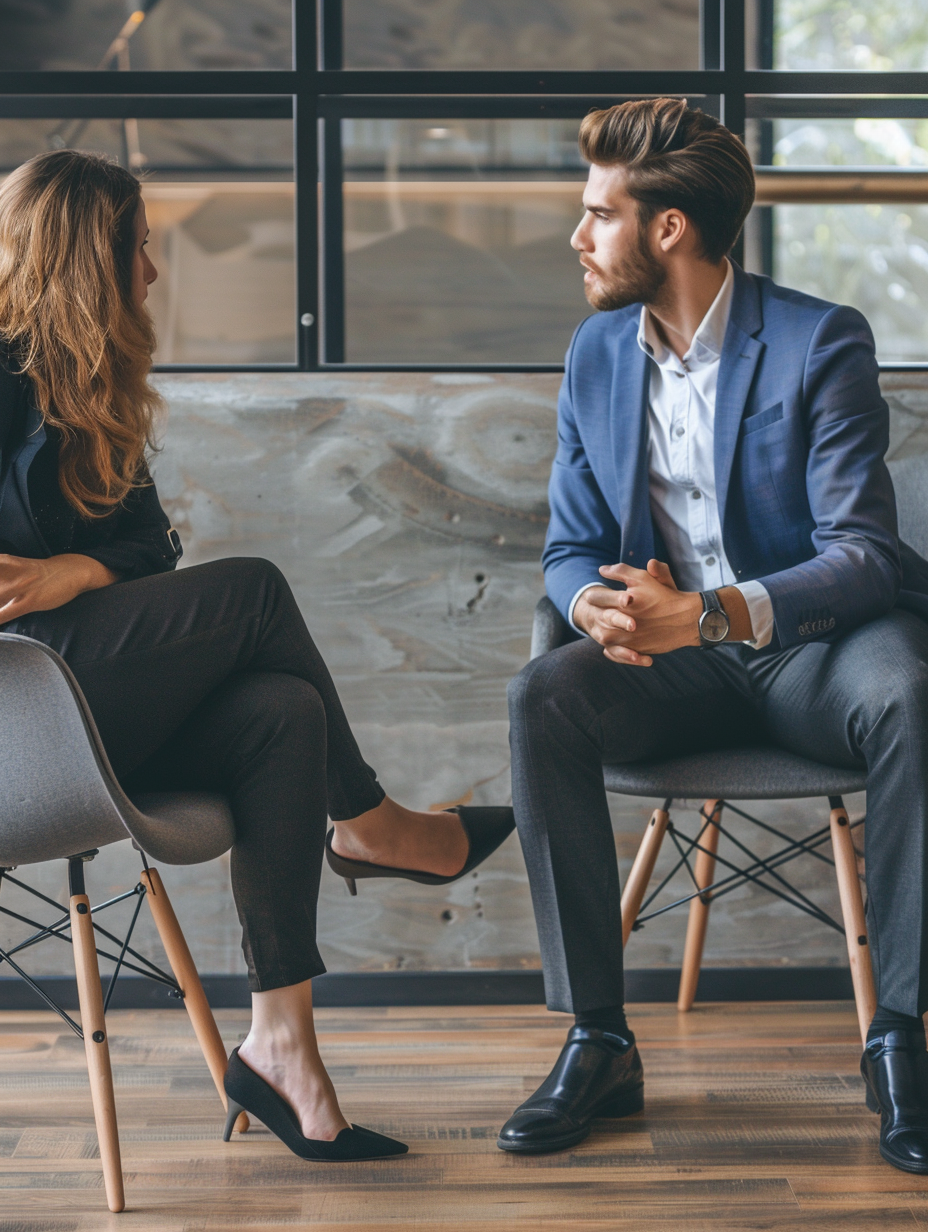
[[135, 541], [582, 532], [856, 573]]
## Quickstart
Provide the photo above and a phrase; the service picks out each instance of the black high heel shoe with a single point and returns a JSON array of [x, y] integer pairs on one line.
[[485, 828], [248, 1092]]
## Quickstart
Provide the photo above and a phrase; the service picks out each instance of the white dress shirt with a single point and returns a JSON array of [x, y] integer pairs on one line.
[[681, 465]]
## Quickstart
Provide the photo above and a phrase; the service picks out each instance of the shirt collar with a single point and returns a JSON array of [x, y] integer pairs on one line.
[[708, 340]]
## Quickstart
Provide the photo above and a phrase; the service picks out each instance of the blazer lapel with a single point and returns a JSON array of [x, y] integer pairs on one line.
[[741, 353], [630, 447]]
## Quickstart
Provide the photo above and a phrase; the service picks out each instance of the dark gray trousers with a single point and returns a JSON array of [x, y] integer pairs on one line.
[[862, 701], [208, 679]]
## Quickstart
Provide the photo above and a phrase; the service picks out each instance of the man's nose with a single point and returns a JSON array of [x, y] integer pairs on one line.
[[577, 241]]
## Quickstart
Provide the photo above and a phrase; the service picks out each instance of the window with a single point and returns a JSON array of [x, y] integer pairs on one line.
[[392, 183], [846, 174], [219, 199]]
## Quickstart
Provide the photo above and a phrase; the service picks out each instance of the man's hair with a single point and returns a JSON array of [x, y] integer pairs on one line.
[[676, 157]]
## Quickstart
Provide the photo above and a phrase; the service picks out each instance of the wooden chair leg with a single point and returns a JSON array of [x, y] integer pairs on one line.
[[699, 909], [90, 999], [185, 972], [852, 909], [637, 884]]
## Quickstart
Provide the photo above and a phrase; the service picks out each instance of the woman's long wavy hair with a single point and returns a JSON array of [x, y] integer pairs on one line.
[[67, 317]]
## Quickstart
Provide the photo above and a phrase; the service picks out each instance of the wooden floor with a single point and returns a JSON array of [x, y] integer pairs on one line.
[[755, 1119]]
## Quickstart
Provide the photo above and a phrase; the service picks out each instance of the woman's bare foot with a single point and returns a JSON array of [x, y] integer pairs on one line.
[[398, 837], [281, 1047]]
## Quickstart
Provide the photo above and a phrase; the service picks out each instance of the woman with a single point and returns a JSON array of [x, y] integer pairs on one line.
[[206, 678]]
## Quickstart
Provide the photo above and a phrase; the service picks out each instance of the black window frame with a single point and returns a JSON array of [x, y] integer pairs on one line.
[[317, 92]]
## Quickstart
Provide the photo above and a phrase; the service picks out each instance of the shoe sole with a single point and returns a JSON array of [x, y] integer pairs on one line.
[[627, 1105]]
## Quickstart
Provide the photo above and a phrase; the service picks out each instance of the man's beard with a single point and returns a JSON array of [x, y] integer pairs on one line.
[[637, 282]]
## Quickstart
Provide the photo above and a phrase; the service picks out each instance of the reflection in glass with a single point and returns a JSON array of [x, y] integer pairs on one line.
[[153, 34], [456, 240], [526, 34], [220, 205], [865, 35]]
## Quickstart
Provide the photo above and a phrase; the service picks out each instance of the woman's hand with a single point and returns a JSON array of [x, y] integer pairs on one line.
[[39, 585]]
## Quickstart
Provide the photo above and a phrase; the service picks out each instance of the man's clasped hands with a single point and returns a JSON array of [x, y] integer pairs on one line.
[[651, 616]]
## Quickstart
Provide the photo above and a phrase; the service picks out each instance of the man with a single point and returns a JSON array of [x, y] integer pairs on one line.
[[723, 532]]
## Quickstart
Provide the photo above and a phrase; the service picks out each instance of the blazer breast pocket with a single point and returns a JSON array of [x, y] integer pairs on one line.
[[762, 419]]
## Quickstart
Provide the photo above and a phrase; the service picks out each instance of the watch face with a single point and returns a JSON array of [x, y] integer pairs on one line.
[[714, 626]]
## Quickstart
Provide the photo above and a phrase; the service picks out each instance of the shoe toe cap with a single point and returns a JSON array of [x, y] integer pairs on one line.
[[910, 1146], [534, 1125]]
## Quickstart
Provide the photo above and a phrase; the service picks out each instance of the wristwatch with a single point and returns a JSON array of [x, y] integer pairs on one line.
[[714, 625]]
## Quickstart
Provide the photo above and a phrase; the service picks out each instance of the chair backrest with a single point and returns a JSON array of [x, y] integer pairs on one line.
[[59, 795], [910, 479], [549, 629]]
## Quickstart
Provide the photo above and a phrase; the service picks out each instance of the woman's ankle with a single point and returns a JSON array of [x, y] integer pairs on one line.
[[386, 813], [280, 1043]]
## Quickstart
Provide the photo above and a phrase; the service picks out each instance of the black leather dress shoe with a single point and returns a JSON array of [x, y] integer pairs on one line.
[[895, 1069], [596, 1075]]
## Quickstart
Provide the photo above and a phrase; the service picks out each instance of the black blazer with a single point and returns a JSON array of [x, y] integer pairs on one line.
[[134, 540]]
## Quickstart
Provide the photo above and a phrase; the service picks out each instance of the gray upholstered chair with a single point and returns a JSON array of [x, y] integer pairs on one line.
[[61, 800], [764, 773]]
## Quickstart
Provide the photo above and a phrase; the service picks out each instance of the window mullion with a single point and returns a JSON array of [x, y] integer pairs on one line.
[[306, 183], [333, 244]]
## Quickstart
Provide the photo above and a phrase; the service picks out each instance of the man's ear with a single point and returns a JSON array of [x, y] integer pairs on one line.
[[673, 228]]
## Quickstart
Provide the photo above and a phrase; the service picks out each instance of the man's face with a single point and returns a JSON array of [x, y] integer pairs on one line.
[[620, 266]]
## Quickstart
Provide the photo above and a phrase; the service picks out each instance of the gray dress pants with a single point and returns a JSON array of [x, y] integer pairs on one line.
[[861, 701]]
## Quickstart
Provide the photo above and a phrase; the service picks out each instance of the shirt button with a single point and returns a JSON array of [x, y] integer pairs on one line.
[[710, 560], [696, 494], [679, 430]]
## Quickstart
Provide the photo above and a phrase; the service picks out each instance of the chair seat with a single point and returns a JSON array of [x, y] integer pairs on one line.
[[734, 774], [183, 827]]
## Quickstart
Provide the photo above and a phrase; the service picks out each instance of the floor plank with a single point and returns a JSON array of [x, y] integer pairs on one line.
[[754, 1120]]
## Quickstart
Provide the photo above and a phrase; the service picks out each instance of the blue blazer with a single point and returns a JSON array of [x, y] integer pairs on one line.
[[805, 501]]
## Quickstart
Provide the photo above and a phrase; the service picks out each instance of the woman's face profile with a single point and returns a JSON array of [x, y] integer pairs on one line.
[[143, 271]]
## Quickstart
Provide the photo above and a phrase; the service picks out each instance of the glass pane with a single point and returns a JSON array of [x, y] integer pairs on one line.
[[865, 35], [843, 143], [526, 34], [872, 256], [456, 240], [172, 34], [219, 199]]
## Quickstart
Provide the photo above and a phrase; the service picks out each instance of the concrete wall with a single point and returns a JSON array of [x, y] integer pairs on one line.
[[408, 512]]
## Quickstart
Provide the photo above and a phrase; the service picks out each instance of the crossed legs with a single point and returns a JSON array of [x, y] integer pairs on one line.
[[209, 679]]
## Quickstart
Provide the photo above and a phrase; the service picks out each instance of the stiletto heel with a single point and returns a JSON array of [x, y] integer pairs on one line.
[[248, 1092], [234, 1110], [352, 886], [485, 827]]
